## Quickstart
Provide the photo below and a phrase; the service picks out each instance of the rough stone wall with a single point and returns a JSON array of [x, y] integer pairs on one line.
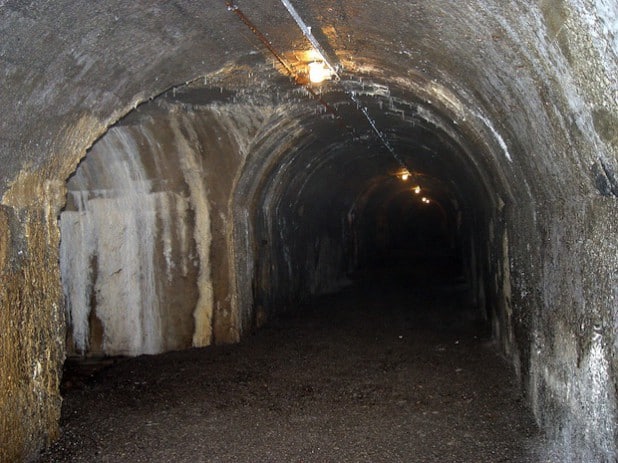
[[32, 322], [560, 323], [565, 287], [302, 254], [31, 332]]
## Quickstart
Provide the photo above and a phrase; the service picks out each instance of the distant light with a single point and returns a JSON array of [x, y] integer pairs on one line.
[[425, 200], [416, 190], [404, 174], [318, 72]]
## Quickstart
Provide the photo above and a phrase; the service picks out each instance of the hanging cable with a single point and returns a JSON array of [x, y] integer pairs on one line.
[[235, 9], [306, 30]]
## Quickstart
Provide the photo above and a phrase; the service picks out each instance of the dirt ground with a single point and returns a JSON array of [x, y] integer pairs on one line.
[[385, 371]]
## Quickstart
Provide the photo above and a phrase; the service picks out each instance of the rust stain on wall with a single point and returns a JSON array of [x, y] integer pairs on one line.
[[31, 331]]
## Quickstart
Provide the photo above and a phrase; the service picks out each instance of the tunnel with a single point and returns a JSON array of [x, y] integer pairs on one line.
[[175, 179]]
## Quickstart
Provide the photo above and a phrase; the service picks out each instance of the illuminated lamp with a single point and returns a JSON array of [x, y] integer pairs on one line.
[[318, 72]]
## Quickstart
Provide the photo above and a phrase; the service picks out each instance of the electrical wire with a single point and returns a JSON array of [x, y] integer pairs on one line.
[[306, 30], [235, 9], [307, 33]]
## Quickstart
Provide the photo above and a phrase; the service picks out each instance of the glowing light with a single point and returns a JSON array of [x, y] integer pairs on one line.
[[403, 174], [425, 200], [318, 72], [416, 190]]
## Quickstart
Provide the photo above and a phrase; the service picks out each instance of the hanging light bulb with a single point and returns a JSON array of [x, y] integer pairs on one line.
[[318, 72], [416, 190], [404, 174]]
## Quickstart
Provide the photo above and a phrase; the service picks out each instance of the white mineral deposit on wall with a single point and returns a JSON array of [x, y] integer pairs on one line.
[[124, 241]]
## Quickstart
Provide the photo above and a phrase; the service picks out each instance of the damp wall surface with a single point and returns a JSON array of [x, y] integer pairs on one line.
[[526, 91], [120, 226], [144, 253], [564, 304]]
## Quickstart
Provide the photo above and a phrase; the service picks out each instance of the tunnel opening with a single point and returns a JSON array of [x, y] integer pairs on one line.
[[366, 287], [337, 206], [222, 203], [285, 200]]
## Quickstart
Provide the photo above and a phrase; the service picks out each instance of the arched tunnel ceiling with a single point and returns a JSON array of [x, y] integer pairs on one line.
[[338, 129], [470, 71]]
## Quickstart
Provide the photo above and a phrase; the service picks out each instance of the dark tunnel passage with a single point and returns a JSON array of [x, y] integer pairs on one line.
[[163, 220], [344, 255], [308, 231], [404, 223]]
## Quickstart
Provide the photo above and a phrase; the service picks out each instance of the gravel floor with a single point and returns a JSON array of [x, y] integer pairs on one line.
[[380, 372]]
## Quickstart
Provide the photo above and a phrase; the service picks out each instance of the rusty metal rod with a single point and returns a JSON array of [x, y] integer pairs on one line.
[[252, 27]]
